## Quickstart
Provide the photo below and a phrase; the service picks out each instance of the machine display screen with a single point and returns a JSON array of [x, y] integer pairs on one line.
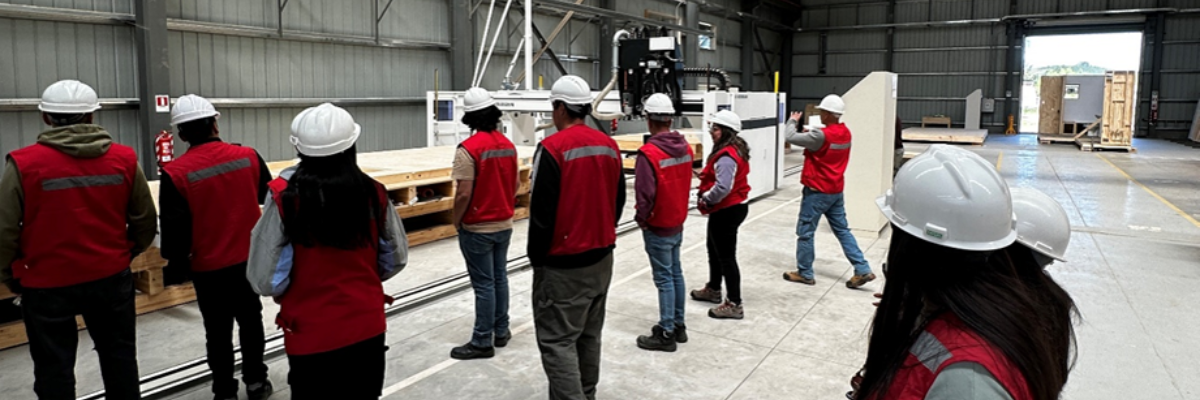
[[445, 110]]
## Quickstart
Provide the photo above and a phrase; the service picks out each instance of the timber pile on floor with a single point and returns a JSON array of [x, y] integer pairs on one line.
[[418, 181], [629, 145], [152, 295]]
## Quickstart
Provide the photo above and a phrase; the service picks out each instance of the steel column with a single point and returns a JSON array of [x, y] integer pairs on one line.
[[691, 43], [154, 77], [462, 41], [747, 58], [1156, 65], [607, 30]]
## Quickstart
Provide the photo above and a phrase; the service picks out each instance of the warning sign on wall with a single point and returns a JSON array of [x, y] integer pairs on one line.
[[162, 103]]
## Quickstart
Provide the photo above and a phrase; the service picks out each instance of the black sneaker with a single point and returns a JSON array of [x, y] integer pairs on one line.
[[501, 341], [260, 391], [680, 333], [470, 352], [659, 339]]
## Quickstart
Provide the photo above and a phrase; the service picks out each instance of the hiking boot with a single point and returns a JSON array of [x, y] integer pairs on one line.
[[470, 352], [259, 391], [859, 280], [680, 333], [727, 310], [659, 339], [793, 276], [501, 341], [707, 294]]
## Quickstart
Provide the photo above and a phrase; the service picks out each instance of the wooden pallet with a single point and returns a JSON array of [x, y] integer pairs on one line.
[[1050, 138], [1094, 144]]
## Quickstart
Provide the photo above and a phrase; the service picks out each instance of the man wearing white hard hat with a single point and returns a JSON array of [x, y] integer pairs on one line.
[[209, 200], [1042, 225], [76, 208], [328, 238], [485, 173], [578, 195], [826, 155], [662, 187]]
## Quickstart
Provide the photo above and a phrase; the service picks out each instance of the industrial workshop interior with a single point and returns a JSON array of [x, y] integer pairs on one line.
[[599, 199]]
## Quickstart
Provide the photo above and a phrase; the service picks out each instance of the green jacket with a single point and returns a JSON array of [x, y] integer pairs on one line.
[[79, 141]]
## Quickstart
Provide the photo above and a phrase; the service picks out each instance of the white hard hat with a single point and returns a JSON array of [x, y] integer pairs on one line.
[[476, 99], [572, 90], [728, 119], [1042, 224], [834, 104], [660, 107], [324, 130], [69, 97], [952, 198], [191, 108]]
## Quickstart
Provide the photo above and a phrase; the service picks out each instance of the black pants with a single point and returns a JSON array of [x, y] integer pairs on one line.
[[108, 310], [723, 228], [353, 372], [568, 312], [225, 296]]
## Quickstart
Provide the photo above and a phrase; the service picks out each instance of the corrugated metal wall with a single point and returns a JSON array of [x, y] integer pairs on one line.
[[223, 64], [940, 65]]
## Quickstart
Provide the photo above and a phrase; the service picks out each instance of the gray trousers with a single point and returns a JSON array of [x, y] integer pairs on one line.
[[568, 312]]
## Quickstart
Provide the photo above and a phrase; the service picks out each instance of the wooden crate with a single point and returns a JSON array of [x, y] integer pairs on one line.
[[1119, 91], [936, 120], [1050, 112]]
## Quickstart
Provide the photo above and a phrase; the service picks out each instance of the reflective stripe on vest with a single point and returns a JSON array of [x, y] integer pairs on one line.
[[671, 162], [590, 168], [218, 169], [673, 182], [220, 182], [945, 342], [494, 188], [75, 214]]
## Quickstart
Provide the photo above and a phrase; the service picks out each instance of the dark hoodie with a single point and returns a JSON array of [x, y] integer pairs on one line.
[[646, 184], [79, 141]]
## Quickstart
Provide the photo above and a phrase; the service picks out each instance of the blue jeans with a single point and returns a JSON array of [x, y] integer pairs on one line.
[[487, 265], [833, 207], [668, 277]]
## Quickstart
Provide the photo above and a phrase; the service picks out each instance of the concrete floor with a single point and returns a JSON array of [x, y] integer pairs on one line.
[[1132, 259]]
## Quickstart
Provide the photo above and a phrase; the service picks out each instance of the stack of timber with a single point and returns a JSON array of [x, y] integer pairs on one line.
[[629, 145], [418, 182]]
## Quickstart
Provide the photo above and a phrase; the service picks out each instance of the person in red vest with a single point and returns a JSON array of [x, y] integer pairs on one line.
[[724, 191], [209, 200], [956, 319], [826, 154], [664, 178], [328, 238], [485, 173], [75, 208], [578, 195]]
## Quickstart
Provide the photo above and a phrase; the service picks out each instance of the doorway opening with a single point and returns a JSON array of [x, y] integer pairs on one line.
[[1082, 59]]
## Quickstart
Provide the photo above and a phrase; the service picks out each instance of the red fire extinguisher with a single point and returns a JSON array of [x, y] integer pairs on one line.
[[614, 125], [164, 148]]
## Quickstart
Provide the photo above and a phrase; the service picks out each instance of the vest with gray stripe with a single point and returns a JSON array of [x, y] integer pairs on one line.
[[219, 169]]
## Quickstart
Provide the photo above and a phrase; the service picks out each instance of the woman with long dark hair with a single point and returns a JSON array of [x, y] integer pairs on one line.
[[328, 238], [723, 194], [958, 319]]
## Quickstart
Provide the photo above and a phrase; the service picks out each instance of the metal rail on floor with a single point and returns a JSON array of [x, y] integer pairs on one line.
[[191, 374]]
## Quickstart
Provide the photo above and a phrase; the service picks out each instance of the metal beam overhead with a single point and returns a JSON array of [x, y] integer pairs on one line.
[[615, 15]]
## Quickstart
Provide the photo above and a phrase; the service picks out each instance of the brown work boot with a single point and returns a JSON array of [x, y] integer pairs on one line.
[[727, 310], [859, 280], [706, 294], [793, 276]]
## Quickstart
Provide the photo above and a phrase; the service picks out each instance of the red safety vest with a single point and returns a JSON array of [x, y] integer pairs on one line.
[[947, 341], [335, 297], [741, 188], [220, 183], [825, 169], [590, 164], [673, 178], [74, 227], [494, 194]]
